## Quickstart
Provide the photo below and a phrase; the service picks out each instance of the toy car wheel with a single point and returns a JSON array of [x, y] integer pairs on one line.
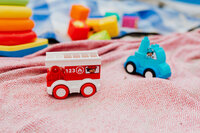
[[149, 73], [88, 89], [130, 68], [60, 92]]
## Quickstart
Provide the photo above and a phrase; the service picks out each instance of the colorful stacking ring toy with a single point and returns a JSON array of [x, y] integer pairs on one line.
[[23, 52], [16, 24], [38, 42], [18, 12], [14, 2], [24, 49], [16, 38]]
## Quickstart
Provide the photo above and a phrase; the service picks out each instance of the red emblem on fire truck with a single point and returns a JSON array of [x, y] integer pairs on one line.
[[79, 70]]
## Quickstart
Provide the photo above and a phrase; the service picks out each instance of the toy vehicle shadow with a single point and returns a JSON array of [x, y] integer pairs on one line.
[[137, 74], [72, 95]]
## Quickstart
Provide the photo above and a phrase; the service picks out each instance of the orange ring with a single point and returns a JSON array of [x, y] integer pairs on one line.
[[16, 24]]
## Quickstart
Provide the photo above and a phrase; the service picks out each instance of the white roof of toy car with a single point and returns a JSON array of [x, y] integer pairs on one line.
[[72, 58]]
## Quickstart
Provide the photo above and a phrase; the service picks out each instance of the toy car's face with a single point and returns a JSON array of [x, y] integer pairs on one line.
[[150, 61], [147, 59]]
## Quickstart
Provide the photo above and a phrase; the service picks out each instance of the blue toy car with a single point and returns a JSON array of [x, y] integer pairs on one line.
[[149, 61]]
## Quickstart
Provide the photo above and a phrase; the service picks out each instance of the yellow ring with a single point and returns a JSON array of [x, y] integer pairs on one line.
[[15, 12]]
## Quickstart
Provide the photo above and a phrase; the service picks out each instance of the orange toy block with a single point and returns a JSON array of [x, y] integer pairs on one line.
[[79, 12]]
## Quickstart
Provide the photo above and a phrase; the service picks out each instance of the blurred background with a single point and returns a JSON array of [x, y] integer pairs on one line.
[[155, 16]]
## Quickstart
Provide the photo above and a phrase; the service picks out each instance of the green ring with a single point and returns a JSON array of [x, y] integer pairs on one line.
[[14, 2]]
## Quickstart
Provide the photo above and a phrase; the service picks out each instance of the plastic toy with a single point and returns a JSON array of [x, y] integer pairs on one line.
[[149, 61], [95, 16], [23, 52], [107, 14], [110, 24], [16, 38], [36, 43], [19, 12], [130, 21], [102, 35], [24, 49], [14, 2], [73, 72], [79, 12], [16, 24], [78, 30], [94, 24]]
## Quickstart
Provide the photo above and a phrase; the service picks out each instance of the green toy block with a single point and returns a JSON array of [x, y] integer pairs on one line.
[[107, 14], [102, 35]]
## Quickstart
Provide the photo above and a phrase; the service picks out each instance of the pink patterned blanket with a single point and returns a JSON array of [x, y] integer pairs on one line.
[[125, 103]]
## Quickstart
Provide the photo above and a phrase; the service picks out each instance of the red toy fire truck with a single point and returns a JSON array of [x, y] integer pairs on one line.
[[73, 72]]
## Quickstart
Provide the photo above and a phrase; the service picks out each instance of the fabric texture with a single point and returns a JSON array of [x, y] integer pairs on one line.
[[125, 103]]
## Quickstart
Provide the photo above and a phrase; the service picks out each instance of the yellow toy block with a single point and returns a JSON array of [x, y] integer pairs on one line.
[[94, 24], [110, 24]]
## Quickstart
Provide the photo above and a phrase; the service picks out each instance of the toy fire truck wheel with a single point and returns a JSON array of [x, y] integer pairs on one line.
[[130, 68], [149, 73], [88, 89], [60, 92]]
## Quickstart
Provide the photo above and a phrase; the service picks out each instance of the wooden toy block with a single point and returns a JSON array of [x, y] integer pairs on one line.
[[110, 24], [102, 35], [78, 30], [79, 12]]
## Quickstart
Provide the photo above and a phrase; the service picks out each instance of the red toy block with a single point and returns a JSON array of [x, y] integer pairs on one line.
[[78, 30], [79, 12]]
